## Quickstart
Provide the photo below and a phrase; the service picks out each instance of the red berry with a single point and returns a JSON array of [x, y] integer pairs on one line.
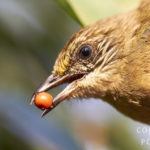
[[43, 100]]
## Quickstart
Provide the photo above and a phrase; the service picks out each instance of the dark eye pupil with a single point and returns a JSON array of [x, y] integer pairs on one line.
[[85, 52]]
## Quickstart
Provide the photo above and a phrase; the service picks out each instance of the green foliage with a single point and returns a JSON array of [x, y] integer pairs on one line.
[[86, 12], [69, 9]]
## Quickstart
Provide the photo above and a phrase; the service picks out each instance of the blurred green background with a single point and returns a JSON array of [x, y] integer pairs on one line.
[[32, 33]]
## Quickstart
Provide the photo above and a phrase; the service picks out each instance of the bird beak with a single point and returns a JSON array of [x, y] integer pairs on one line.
[[53, 81]]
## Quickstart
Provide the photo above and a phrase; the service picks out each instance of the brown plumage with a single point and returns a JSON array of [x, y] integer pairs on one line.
[[109, 60]]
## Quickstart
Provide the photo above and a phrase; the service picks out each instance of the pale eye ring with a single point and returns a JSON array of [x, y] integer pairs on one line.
[[85, 52]]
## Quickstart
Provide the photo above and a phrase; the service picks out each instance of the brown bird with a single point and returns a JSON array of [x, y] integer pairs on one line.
[[109, 59]]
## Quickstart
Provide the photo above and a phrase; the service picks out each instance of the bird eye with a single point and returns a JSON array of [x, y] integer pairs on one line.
[[85, 52]]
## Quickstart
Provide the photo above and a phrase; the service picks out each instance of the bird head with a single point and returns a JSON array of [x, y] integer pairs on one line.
[[108, 60], [88, 63]]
